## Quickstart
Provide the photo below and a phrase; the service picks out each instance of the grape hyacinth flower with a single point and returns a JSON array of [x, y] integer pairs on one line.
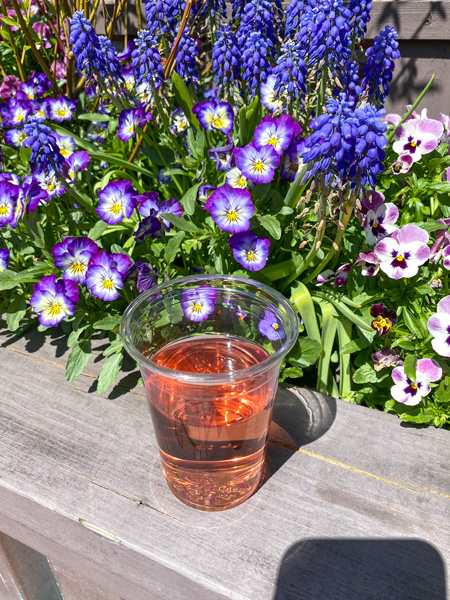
[[186, 58], [7, 197], [72, 256], [66, 144], [45, 150], [262, 17], [361, 10], [384, 318], [380, 65], [417, 137], [105, 274], [146, 62], [231, 208], [270, 327], [76, 162], [116, 202], [277, 132], [380, 220], [257, 164], [141, 276], [256, 51], [226, 57], [439, 327], [402, 253], [213, 115], [249, 251], [290, 71], [411, 392], [61, 109], [4, 258], [270, 97], [236, 179], [197, 304], [223, 155], [54, 300]]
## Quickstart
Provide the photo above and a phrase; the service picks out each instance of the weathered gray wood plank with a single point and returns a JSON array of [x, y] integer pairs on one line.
[[354, 505]]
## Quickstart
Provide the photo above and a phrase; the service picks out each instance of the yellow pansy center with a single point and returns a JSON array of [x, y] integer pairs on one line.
[[116, 208], [413, 144], [217, 123], [3, 210], [273, 141], [399, 258], [50, 186], [78, 268], [251, 255], [64, 152], [128, 85], [55, 310], [375, 225], [242, 181], [258, 166], [276, 326], [197, 307], [131, 129], [108, 284], [381, 323], [62, 112], [232, 216], [20, 117], [413, 387]]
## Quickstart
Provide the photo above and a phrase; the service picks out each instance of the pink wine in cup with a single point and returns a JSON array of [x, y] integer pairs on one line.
[[212, 437]]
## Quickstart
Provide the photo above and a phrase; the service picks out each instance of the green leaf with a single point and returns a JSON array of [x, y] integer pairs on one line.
[[410, 364], [78, 358], [115, 346], [109, 372], [355, 346], [25, 154], [181, 223], [189, 199], [440, 187], [365, 374], [270, 224], [411, 322], [7, 280], [172, 246], [292, 373], [302, 301], [10, 22], [74, 335], [305, 353], [15, 312], [184, 98], [107, 323], [178, 172], [417, 415], [98, 230], [97, 117]]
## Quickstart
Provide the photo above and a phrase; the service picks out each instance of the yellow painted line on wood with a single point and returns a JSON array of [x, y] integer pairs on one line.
[[423, 487], [99, 530]]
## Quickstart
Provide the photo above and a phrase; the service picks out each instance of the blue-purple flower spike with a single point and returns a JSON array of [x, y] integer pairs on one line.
[[226, 57], [380, 65], [146, 60]]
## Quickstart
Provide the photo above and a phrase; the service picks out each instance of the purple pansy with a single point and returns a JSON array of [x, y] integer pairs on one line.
[[66, 144], [204, 192], [325, 277], [385, 358], [54, 300], [270, 97], [231, 208], [148, 226], [411, 392], [149, 206], [213, 115], [7, 197], [76, 162], [339, 277], [142, 276], [15, 137], [197, 304], [9, 87], [277, 133], [116, 202], [32, 195], [442, 241], [250, 251], [417, 137], [402, 253], [129, 120], [4, 257], [257, 164], [384, 318], [223, 155], [105, 274], [439, 327], [15, 113], [271, 327], [73, 255], [180, 123], [292, 160], [61, 109], [379, 220], [49, 182], [402, 164]]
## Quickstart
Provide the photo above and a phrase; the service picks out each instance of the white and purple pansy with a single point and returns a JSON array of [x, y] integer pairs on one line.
[[197, 304], [33, 195], [15, 137], [269, 96], [39, 109], [128, 121], [402, 164], [231, 208], [180, 122], [4, 257], [73, 256], [249, 251], [439, 327], [76, 162], [223, 155], [338, 277], [277, 132], [292, 160], [149, 206], [103, 277], [411, 392], [61, 109], [271, 327], [213, 115], [402, 253], [257, 164], [116, 202], [54, 300], [236, 179], [379, 220], [417, 137], [7, 196], [65, 143], [128, 77], [17, 114], [49, 182]]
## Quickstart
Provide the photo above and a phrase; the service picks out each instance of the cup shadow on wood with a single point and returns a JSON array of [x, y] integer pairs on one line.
[[361, 569], [300, 416]]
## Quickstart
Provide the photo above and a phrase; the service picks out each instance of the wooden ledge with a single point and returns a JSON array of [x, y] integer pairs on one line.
[[354, 505]]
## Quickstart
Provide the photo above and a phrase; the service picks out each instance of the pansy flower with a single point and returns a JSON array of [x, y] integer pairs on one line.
[[439, 327], [39, 109], [76, 162], [15, 137], [9, 87], [292, 160], [370, 264], [32, 195], [417, 137], [402, 253], [179, 121], [73, 255], [28, 91], [54, 300], [384, 318], [61, 109], [129, 120], [204, 192], [385, 359], [7, 197], [128, 78], [17, 113], [19, 208], [116, 202], [65, 143], [103, 277], [379, 220], [338, 277], [231, 208], [142, 276], [144, 91], [197, 304], [402, 164], [250, 251], [411, 392], [277, 132], [270, 327], [4, 257], [148, 226], [97, 132], [236, 179], [213, 115], [49, 182], [223, 155], [258, 164], [149, 206], [269, 96]]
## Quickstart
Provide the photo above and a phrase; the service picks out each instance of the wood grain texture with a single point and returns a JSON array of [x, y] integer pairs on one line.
[[354, 505]]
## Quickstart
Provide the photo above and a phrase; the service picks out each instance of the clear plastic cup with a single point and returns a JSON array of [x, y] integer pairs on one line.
[[210, 348]]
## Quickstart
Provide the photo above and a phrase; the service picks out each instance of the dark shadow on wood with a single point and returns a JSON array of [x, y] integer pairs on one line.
[[299, 418], [35, 339], [361, 569]]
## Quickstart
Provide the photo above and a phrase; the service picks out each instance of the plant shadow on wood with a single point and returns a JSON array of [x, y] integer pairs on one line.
[[35, 340], [300, 416], [361, 569]]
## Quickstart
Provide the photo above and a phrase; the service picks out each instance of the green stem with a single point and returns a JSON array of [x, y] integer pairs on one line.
[[329, 325], [344, 330]]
